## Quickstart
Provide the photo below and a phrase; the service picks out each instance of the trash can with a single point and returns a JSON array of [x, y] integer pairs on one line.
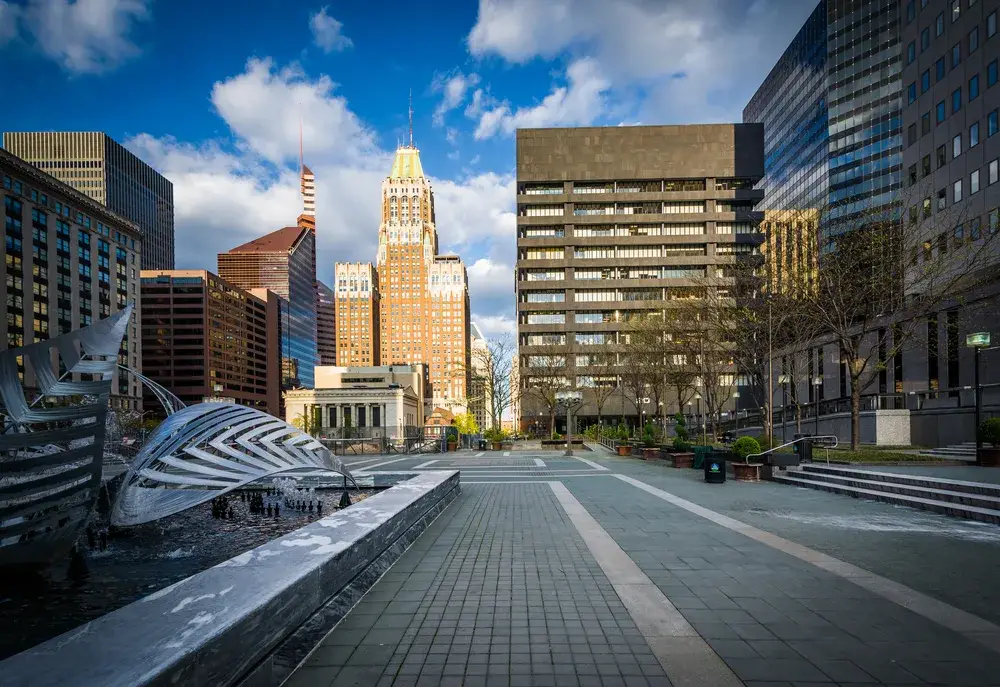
[[715, 467], [804, 448]]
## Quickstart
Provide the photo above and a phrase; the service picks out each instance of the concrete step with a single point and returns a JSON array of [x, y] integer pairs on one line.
[[800, 479], [906, 479], [892, 487]]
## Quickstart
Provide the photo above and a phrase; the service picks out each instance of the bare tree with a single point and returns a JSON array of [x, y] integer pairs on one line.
[[543, 377], [602, 368], [491, 370]]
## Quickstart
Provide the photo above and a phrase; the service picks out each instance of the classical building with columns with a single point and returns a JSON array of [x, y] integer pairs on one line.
[[361, 402]]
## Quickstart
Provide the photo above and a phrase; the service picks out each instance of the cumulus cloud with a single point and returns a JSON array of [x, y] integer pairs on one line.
[[82, 36], [495, 325], [453, 89], [327, 32], [678, 61]]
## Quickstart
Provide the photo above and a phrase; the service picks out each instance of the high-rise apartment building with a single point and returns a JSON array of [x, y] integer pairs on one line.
[[68, 262], [203, 337], [326, 325], [101, 168], [617, 222], [356, 300], [424, 308], [284, 262]]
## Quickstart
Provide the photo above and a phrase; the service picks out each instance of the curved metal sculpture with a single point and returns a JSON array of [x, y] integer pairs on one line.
[[171, 404], [51, 449], [208, 449]]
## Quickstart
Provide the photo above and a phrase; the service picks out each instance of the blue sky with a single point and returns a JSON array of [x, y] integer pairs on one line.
[[210, 94]]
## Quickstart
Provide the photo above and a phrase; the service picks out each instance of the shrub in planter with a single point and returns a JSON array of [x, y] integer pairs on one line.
[[745, 446], [990, 433], [681, 444], [742, 470]]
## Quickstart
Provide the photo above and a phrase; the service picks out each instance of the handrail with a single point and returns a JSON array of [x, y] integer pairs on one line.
[[795, 441]]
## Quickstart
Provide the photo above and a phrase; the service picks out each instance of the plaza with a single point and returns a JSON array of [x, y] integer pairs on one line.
[[599, 570]]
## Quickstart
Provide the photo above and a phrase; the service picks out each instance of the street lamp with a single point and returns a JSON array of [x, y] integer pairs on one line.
[[783, 381], [571, 400], [817, 382], [736, 408], [978, 342], [697, 409]]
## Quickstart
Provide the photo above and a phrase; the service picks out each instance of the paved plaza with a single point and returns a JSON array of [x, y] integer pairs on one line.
[[599, 570]]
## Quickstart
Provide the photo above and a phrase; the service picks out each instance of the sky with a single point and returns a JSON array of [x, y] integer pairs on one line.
[[211, 93]]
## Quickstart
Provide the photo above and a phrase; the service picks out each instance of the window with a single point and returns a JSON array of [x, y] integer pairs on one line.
[[956, 55], [911, 52], [939, 69], [973, 40], [541, 210], [939, 25], [973, 88], [911, 93], [546, 318], [926, 165], [911, 11], [993, 172], [991, 73], [925, 81], [974, 182], [956, 194], [942, 157], [956, 100], [942, 199], [991, 123], [991, 24], [911, 134], [941, 112], [956, 10], [925, 123], [974, 135], [913, 174], [956, 146], [925, 42]]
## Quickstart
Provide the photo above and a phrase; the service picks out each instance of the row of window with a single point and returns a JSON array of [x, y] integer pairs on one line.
[[646, 186], [972, 40], [941, 109]]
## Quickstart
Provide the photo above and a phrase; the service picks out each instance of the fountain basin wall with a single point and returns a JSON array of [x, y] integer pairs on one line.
[[228, 624]]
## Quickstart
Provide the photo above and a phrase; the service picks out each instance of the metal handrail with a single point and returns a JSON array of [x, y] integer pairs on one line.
[[795, 441]]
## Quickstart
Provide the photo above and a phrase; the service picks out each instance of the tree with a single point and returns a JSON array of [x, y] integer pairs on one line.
[[466, 423], [491, 369], [544, 376], [309, 420], [602, 369]]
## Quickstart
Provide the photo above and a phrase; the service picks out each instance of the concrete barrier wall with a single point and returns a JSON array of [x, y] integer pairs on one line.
[[879, 427], [219, 626]]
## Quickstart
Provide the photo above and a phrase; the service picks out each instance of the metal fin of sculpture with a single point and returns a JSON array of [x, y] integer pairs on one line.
[[171, 404], [208, 449], [51, 448]]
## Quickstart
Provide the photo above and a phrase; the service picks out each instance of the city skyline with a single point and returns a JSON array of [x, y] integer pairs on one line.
[[234, 160]]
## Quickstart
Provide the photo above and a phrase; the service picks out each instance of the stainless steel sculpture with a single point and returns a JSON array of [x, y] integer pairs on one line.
[[208, 449], [51, 448]]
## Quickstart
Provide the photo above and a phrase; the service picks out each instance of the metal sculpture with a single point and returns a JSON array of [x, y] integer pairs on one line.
[[51, 449], [171, 404], [209, 449]]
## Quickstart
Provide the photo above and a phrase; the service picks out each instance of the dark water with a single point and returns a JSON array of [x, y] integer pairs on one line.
[[139, 561]]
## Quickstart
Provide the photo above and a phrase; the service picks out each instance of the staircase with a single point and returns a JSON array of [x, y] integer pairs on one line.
[[965, 452], [967, 500]]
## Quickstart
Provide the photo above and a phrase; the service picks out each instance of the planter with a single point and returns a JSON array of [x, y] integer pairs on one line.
[[683, 460], [650, 454], [988, 457], [746, 472], [452, 445], [624, 450], [496, 445]]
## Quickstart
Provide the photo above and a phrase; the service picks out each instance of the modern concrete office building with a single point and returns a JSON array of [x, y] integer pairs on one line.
[[203, 337], [356, 298], [284, 262], [615, 222], [68, 262], [103, 169]]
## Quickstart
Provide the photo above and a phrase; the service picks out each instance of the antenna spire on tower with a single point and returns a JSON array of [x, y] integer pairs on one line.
[[302, 162], [411, 117]]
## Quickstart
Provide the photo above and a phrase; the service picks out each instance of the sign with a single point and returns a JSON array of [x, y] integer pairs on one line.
[[713, 467], [825, 442], [978, 339]]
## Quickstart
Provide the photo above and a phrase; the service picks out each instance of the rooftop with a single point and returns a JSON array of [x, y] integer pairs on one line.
[[280, 241]]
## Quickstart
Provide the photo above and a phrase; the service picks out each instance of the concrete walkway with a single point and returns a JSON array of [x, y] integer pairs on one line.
[[609, 571]]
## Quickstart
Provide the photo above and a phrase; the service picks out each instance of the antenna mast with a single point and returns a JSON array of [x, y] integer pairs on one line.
[[411, 117], [302, 162]]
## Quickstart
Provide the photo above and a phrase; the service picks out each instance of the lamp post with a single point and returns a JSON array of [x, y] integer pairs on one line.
[[817, 382], [977, 342], [736, 408], [783, 381], [570, 400], [697, 398], [770, 376]]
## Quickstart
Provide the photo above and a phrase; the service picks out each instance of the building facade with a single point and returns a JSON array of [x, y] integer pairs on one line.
[[587, 264], [203, 337], [357, 320], [424, 297], [69, 262], [284, 262], [103, 169], [480, 398], [326, 325]]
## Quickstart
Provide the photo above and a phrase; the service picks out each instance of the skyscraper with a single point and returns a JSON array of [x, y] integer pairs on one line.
[[283, 261], [424, 309], [100, 167], [357, 306], [326, 327]]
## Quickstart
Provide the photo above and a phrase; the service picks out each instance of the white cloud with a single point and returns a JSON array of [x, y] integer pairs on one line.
[[579, 102], [327, 32], [495, 325], [679, 61], [453, 89], [83, 36], [475, 210]]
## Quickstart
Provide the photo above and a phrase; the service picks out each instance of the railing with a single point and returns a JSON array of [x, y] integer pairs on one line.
[[828, 441], [833, 406]]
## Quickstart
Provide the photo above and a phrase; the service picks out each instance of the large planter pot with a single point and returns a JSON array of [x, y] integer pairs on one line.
[[496, 445], [988, 457], [683, 460], [452, 446], [746, 472], [624, 450], [650, 453]]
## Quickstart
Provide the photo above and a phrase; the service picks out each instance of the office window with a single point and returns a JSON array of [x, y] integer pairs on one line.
[[926, 165], [956, 10], [991, 24], [939, 25], [991, 73], [942, 199], [956, 146], [973, 88], [991, 123], [956, 100], [941, 112], [993, 171], [957, 191], [974, 135], [912, 174], [925, 123], [973, 40], [974, 182], [911, 93], [956, 55], [911, 134], [911, 52], [925, 81], [939, 69]]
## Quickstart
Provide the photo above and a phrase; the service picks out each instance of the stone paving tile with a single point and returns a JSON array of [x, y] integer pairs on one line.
[[772, 617], [500, 590]]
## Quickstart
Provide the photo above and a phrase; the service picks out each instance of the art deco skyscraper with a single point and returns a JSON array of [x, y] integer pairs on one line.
[[424, 313]]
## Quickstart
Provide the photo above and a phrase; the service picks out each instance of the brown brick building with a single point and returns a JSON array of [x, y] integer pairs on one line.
[[203, 337], [356, 299]]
